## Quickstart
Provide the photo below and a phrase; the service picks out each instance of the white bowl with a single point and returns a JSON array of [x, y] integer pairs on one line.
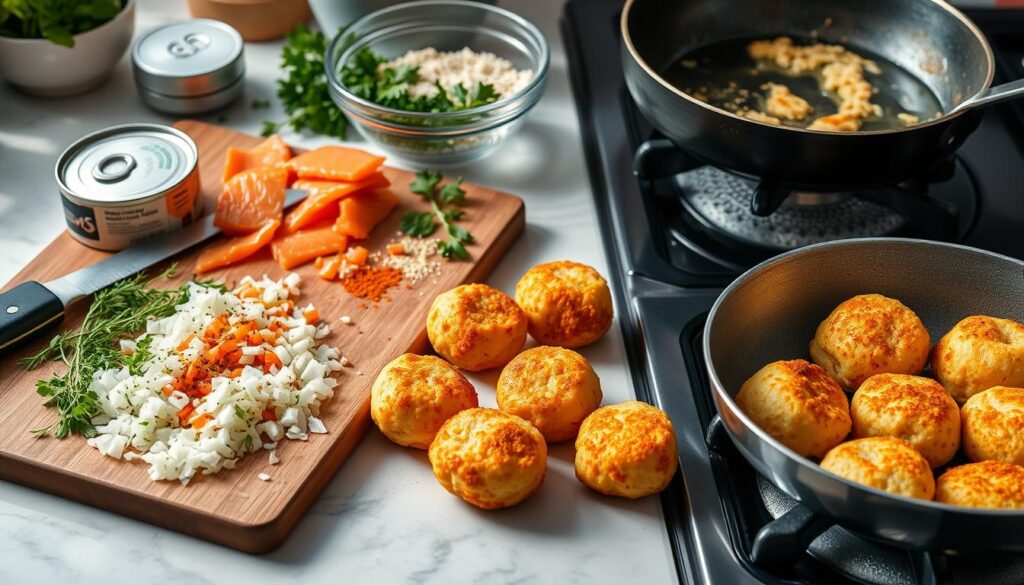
[[42, 68]]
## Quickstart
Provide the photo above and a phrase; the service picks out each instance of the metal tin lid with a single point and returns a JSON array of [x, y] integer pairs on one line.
[[126, 163], [188, 58]]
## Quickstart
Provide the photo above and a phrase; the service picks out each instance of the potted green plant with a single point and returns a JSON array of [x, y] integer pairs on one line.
[[62, 47]]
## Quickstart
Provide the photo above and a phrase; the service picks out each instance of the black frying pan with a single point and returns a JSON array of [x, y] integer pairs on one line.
[[772, 311], [928, 39]]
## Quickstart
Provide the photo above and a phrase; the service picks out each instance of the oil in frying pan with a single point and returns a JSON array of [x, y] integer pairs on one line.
[[725, 76]]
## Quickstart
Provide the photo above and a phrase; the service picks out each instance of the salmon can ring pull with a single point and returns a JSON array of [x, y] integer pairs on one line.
[[101, 171]]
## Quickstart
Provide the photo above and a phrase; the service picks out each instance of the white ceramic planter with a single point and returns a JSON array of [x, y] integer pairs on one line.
[[41, 68]]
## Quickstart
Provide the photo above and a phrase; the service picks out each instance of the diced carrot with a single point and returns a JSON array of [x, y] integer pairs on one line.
[[336, 163], [311, 315], [200, 421], [185, 342], [357, 255], [249, 292], [185, 412], [234, 357], [250, 200], [205, 387], [319, 262], [361, 213], [242, 330], [321, 203], [269, 414], [330, 268], [235, 373], [270, 152], [270, 359], [192, 372], [396, 249], [305, 245], [167, 390], [215, 328]]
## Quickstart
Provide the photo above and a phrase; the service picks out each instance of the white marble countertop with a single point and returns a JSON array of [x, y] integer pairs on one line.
[[383, 518]]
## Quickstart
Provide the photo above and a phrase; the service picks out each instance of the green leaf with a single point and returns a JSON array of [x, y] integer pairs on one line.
[[460, 94], [417, 224], [459, 233], [452, 193], [425, 183], [453, 249], [239, 412]]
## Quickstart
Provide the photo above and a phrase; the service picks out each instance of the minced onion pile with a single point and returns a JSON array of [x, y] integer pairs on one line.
[[228, 373]]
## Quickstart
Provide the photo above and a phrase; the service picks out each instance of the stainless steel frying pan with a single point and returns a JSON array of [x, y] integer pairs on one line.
[[771, 312], [928, 39]]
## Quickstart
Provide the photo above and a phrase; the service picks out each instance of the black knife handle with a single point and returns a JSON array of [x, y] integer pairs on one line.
[[27, 309]]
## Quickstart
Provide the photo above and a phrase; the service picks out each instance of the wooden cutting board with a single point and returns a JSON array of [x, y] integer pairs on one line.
[[234, 507]]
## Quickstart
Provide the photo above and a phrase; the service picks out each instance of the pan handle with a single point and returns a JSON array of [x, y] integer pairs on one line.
[[992, 95], [783, 541]]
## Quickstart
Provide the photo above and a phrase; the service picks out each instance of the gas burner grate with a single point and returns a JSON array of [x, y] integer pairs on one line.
[[721, 201]]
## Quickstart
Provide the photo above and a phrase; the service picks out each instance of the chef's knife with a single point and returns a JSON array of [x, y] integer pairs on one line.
[[31, 306]]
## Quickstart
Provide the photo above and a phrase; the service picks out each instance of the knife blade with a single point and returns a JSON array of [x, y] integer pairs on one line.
[[32, 306]]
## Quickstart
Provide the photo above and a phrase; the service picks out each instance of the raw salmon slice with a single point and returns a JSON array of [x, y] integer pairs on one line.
[[336, 163], [268, 153], [361, 213], [251, 199], [320, 206], [234, 250], [305, 245]]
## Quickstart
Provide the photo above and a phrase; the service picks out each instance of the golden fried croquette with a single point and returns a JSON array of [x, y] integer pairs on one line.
[[476, 327], [868, 335], [978, 353], [796, 402], [414, 395], [885, 463], [987, 484], [993, 423], [568, 303], [915, 409], [489, 458], [627, 450], [552, 388]]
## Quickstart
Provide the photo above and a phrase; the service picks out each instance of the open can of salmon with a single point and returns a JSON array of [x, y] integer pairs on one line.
[[126, 183]]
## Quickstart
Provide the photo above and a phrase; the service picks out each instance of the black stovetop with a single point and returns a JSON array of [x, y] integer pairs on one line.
[[669, 269]]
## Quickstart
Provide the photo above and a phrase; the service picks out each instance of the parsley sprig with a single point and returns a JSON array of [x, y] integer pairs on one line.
[[304, 91], [116, 312], [442, 199], [365, 76]]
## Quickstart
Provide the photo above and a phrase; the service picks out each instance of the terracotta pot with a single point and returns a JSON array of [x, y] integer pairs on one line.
[[255, 20]]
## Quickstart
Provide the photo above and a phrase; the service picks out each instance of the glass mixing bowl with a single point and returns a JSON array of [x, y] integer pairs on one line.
[[444, 139]]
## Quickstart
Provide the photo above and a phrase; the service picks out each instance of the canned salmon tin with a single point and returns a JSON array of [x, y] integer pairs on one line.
[[129, 182]]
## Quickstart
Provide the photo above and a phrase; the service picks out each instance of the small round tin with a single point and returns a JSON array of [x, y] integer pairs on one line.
[[129, 182], [190, 66]]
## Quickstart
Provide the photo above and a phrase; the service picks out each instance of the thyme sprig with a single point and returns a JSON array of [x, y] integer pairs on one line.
[[117, 312]]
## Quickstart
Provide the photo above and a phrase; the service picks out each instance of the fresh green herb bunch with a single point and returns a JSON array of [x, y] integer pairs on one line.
[[422, 224], [116, 312], [304, 90], [57, 21], [364, 76]]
